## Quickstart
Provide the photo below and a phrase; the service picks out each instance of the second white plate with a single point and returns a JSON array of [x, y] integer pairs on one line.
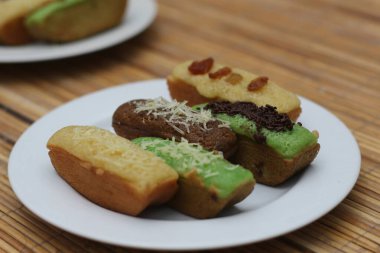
[[266, 213], [140, 14]]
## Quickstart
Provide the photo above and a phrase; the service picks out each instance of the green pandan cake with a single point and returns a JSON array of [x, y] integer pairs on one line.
[[68, 20], [270, 144], [207, 182]]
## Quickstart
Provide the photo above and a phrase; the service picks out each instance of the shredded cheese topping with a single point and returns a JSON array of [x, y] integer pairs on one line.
[[177, 114], [192, 155]]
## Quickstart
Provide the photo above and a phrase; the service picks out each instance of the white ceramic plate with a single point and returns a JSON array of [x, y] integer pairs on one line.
[[140, 14], [268, 212]]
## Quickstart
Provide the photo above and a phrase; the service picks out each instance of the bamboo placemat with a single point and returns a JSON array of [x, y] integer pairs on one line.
[[325, 50]]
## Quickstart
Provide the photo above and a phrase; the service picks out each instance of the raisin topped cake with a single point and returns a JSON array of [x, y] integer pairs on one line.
[[204, 81]]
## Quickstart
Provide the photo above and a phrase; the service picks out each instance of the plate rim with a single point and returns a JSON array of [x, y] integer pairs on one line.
[[226, 244], [85, 46]]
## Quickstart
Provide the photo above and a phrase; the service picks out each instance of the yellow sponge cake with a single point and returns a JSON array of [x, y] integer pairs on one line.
[[204, 81], [110, 170]]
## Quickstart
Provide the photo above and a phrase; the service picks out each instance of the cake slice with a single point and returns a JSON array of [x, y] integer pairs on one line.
[[68, 20], [170, 119], [269, 143], [207, 182], [12, 15], [204, 81], [110, 170]]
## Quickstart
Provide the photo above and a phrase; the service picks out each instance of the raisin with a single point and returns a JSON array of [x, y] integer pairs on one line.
[[234, 78], [220, 73], [201, 67], [257, 83]]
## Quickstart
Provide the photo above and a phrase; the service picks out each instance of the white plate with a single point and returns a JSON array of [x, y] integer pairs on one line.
[[140, 14], [266, 213]]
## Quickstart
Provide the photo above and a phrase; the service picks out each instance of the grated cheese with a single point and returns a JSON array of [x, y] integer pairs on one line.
[[177, 114], [192, 155]]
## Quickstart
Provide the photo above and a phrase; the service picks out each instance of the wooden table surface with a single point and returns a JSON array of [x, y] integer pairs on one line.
[[325, 50]]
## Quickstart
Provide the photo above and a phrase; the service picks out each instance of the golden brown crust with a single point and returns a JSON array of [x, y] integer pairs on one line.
[[294, 114], [68, 25], [181, 91], [267, 166], [12, 17], [194, 199], [104, 188], [14, 32]]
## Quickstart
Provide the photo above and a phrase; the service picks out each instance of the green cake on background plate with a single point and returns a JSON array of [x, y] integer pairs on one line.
[[68, 20]]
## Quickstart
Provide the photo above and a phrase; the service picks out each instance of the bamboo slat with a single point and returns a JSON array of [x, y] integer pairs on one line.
[[325, 50]]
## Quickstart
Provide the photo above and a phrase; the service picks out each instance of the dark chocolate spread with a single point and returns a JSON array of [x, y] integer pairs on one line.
[[263, 116]]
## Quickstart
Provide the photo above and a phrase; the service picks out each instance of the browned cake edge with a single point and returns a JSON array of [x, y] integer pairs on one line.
[[14, 32], [182, 91], [267, 166], [104, 188], [93, 27], [195, 200]]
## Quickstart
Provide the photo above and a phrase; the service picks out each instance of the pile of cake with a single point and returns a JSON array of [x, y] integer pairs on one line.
[[224, 131]]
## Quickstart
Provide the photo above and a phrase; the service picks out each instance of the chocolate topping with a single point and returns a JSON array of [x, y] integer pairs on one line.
[[263, 116]]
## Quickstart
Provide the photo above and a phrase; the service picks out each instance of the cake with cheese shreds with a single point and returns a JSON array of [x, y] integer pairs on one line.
[[171, 119], [206, 80], [207, 182], [110, 170]]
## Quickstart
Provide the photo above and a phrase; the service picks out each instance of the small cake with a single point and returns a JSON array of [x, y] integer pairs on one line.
[[68, 20], [170, 119], [269, 143], [207, 182], [204, 81], [12, 15], [110, 170]]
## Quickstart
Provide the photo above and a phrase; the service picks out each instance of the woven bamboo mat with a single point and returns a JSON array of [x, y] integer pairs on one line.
[[325, 50]]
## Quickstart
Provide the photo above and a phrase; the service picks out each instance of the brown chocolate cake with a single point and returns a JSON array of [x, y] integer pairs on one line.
[[170, 119]]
